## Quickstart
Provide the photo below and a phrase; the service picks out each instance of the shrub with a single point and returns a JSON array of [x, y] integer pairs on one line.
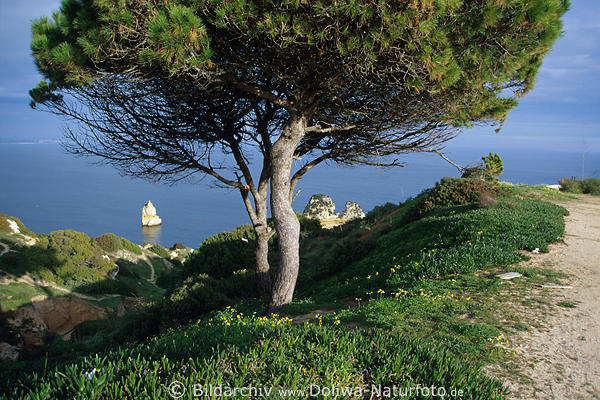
[[66, 257], [110, 243], [308, 226], [591, 186], [379, 212], [570, 185], [159, 251], [485, 200], [222, 254], [493, 164], [491, 167], [458, 191], [477, 172], [327, 260], [201, 294], [132, 247], [586, 186]]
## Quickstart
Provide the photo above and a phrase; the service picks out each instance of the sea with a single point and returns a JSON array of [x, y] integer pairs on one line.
[[49, 190]]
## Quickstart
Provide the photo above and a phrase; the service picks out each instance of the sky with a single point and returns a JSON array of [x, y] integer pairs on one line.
[[561, 113]]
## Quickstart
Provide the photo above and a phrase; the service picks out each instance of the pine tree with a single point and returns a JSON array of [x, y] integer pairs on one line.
[[160, 88]]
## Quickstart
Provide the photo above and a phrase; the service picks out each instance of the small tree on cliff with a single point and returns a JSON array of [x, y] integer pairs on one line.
[[165, 89]]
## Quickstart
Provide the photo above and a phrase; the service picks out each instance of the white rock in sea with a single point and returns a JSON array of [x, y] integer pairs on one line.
[[320, 207], [149, 217], [352, 211]]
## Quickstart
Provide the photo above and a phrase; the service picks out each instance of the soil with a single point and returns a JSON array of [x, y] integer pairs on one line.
[[560, 353]]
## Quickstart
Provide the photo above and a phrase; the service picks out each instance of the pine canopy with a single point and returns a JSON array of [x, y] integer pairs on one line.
[[464, 53]]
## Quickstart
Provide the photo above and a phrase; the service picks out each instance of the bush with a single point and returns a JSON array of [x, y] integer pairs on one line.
[[309, 227], [477, 172], [586, 186], [201, 294], [65, 257], [452, 191], [491, 167], [222, 254], [111, 243], [572, 185], [591, 186], [379, 212], [132, 247], [493, 164], [159, 251]]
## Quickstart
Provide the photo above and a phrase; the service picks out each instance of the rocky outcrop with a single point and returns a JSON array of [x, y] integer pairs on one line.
[[352, 211], [52, 315], [12, 225], [322, 208], [8, 352], [149, 216]]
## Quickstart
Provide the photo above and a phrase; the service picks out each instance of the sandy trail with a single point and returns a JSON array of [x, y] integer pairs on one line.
[[562, 357], [5, 249]]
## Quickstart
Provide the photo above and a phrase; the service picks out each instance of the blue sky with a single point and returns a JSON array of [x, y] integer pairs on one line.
[[561, 113]]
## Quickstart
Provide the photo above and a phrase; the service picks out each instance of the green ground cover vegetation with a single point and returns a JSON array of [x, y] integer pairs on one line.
[[407, 296]]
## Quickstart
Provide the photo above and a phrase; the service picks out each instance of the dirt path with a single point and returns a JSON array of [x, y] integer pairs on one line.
[[562, 357], [152, 272], [5, 249]]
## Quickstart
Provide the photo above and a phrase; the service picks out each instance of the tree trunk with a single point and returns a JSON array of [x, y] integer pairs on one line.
[[286, 222], [261, 255], [258, 215]]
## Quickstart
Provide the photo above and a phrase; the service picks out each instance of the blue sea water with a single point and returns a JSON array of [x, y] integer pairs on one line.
[[51, 190]]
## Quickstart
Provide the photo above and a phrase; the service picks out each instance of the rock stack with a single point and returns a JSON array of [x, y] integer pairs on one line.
[[149, 217], [322, 208]]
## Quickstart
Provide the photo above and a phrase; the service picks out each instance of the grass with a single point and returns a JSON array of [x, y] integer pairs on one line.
[[18, 294], [237, 350], [566, 304], [458, 239], [142, 287], [539, 192]]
